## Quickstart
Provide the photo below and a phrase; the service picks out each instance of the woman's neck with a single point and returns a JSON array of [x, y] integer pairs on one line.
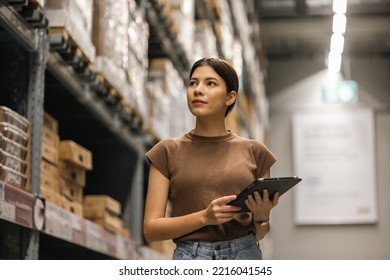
[[210, 129]]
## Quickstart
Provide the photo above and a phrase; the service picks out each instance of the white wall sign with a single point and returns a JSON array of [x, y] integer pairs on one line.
[[334, 154]]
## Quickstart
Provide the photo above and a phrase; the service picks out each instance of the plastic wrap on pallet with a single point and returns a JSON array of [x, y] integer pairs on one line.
[[136, 97], [138, 36], [75, 16], [226, 29], [163, 74], [110, 30], [113, 73], [159, 110], [184, 15], [205, 41]]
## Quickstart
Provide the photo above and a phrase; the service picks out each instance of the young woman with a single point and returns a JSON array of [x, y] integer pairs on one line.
[[203, 170]]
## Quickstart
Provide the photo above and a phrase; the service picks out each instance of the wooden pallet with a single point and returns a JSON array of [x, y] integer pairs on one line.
[[62, 42], [111, 94]]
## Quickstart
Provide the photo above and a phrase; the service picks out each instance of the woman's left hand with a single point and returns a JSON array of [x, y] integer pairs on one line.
[[261, 206]]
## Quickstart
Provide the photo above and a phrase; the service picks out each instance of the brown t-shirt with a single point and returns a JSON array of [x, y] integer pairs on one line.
[[201, 169]]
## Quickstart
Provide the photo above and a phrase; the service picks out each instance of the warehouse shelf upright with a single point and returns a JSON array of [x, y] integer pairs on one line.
[[22, 232], [33, 40]]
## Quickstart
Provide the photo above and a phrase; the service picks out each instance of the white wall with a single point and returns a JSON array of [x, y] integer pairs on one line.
[[295, 85]]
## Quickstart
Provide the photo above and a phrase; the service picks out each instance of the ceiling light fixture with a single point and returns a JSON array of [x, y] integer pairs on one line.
[[337, 39]]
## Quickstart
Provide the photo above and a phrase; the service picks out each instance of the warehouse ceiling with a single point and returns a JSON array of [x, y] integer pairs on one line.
[[291, 28]]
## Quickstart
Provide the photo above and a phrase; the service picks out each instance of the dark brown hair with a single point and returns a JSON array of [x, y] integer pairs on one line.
[[225, 70]]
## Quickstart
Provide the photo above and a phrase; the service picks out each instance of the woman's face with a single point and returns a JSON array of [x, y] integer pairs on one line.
[[207, 93]]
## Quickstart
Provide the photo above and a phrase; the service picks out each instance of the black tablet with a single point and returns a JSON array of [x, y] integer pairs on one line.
[[273, 185]]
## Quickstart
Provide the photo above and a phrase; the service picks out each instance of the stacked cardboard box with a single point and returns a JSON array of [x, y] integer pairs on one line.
[[63, 168], [14, 148], [49, 186], [105, 211], [75, 161]]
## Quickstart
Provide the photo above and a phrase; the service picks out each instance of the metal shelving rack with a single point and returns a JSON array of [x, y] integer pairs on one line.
[[21, 235], [25, 238]]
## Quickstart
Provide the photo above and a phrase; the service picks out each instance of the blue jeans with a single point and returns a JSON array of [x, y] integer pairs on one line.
[[244, 248]]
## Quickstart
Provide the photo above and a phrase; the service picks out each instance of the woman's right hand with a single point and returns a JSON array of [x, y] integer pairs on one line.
[[218, 212]]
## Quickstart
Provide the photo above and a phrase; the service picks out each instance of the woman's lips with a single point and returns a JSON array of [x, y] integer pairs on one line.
[[198, 101]]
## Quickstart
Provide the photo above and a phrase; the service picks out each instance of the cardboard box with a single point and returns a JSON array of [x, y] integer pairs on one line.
[[50, 137], [124, 232], [109, 221], [73, 152], [97, 205], [50, 122], [74, 207], [50, 182], [50, 153], [72, 172], [71, 191], [50, 169], [52, 196]]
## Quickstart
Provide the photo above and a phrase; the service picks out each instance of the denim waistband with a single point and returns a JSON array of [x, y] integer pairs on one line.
[[235, 245]]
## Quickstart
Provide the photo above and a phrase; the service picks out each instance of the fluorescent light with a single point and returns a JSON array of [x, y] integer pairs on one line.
[[334, 61], [337, 43], [339, 23], [340, 6]]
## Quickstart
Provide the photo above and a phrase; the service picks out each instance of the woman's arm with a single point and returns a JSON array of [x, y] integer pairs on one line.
[[158, 227]]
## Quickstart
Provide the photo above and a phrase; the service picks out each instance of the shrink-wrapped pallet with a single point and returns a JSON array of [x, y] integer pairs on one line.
[[75, 18]]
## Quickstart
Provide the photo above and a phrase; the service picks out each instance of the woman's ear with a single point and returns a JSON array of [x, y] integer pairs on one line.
[[231, 98]]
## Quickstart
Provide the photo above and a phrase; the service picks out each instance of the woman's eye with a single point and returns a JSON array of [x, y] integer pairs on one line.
[[192, 84]]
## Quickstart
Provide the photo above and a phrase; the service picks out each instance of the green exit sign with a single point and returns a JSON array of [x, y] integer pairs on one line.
[[340, 92]]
